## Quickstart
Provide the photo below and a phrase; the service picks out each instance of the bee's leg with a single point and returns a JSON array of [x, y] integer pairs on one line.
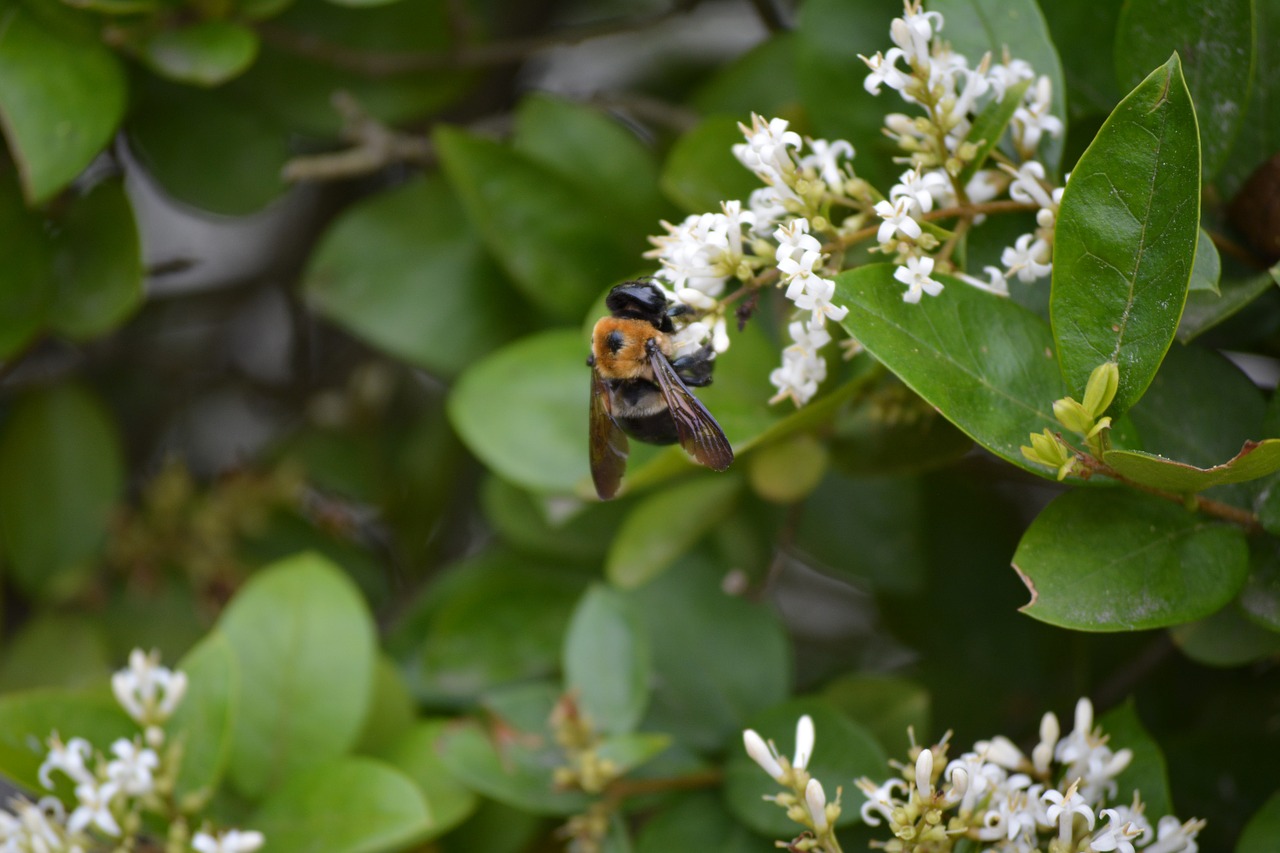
[[591, 360], [695, 368]]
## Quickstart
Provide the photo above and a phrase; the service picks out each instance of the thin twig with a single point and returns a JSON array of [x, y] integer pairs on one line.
[[375, 146]]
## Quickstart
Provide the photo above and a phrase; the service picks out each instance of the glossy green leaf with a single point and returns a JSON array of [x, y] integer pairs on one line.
[[842, 749], [539, 525], [1207, 269], [830, 36], [1205, 310], [1091, 83], [885, 705], [1255, 459], [1215, 42], [597, 154], [512, 770], [700, 170], [554, 240], [28, 718], [633, 749], [974, 27], [1147, 772], [304, 639], [414, 754], [1114, 560], [1259, 134], [404, 271], [205, 718], [348, 805], [392, 710], [697, 821], [26, 274], [722, 659], [684, 513], [989, 127], [208, 149], [545, 380], [1126, 238], [207, 53], [1262, 833], [456, 641], [985, 362], [55, 649], [61, 473], [61, 99], [97, 264], [1227, 638], [606, 660]]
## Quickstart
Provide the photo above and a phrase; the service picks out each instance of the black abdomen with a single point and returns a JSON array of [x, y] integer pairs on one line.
[[658, 428]]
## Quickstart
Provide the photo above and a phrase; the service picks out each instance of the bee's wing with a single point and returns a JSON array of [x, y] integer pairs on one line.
[[700, 435], [608, 442]]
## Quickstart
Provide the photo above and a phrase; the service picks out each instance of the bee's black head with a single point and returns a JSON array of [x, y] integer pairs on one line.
[[639, 300]]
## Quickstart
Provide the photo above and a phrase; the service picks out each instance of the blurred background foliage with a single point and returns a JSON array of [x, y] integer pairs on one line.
[[318, 275]]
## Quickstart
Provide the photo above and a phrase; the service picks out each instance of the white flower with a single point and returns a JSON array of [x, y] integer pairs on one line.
[[813, 293], [824, 159], [995, 282], [915, 275], [231, 841], [36, 826], [1028, 184], [70, 758], [1004, 75], [884, 70], [94, 808], [1062, 809], [975, 86], [1173, 836], [767, 206], [924, 773], [1028, 258], [985, 185], [146, 690], [1032, 120], [1042, 755], [913, 31], [133, 768], [798, 378], [816, 801], [767, 756], [1116, 835], [798, 250], [921, 190], [766, 149], [696, 254], [806, 338], [880, 800], [897, 219]]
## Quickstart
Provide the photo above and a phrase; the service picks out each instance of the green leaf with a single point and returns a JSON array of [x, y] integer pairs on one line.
[[455, 642], [974, 27], [597, 154], [1113, 560], [1259, 134], [97, 264], [1262, 832], [697, 821], [1215, 41], [305, 642], [985, 362], [1227, 638], [1256, 459], [886, 705], [538, 525], [1207, 269], [205, 718], [722, 658], [414, 754], [512, 770], [26, 274], [700, 170], [1091, 84], [684, 513], [1260, 598], [634, 749], [28, 718], [1205, 310], [207, 53], [762, 80], [606, 660], [209, 149], [544, 380], [61, 473], [348, 805], [61, 99], [367, 276], [1147, 772], [842, 750], [555, 241], [392, 710], [1126, 238], [55, 650], [830, 36]]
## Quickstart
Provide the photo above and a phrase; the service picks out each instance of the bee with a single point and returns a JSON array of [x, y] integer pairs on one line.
[[638, 389]]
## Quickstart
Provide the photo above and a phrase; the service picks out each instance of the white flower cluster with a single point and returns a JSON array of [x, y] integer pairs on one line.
[[1060, 797], [807, 803], [111, 793], [794, 230], [938, 147]]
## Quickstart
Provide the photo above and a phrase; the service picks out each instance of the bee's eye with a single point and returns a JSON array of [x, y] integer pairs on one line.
[[614, 341]]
